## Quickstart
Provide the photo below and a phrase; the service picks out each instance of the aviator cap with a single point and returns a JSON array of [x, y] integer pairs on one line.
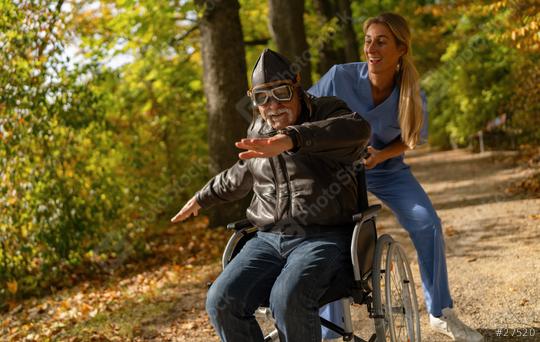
[[270, 67]]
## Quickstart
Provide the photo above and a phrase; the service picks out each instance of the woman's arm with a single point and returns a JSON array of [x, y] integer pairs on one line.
[[378, 156]]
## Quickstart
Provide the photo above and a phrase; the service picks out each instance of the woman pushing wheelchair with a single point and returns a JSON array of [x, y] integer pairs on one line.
[[385, 91], [298, 160]]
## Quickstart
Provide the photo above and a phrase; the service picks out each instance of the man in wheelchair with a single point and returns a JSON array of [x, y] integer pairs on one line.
[[298, 160]]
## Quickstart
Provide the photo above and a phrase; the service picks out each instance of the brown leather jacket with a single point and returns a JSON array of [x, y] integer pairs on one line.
[[312, 186]]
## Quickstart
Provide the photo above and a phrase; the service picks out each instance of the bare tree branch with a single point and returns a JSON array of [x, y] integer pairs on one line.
[[184, 35]]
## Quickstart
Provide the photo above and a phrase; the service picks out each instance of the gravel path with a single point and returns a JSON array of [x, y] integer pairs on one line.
[[491, 241]]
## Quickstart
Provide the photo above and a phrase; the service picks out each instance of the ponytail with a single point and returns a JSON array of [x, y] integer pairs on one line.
[[411, 118]]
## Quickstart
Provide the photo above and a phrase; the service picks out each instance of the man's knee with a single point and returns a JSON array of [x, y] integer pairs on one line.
[[218, 302], [281, 303], [288, 299], [224, 300]]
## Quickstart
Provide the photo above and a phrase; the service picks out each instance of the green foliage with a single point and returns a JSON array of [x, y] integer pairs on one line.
[[55, 194], [482, 75], [93, 156], [156, 105]]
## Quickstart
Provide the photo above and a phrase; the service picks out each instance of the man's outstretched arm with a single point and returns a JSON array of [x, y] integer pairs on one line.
[[229, 185], [341, 138], [190, 208]]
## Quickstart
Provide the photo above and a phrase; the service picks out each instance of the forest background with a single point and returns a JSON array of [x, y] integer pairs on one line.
[[113, 113]]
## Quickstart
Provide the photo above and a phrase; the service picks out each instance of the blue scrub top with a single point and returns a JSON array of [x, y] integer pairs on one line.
[[350, 83]]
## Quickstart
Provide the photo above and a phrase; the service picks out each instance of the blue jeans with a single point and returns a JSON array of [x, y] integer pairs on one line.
[[291, 273]]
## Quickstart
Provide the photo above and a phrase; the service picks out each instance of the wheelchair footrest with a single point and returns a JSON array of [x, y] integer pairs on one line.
[[359, 293], [359, 297], [347, 336]]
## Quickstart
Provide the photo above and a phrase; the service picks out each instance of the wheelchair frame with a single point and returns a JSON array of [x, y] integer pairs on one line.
[[383, 280]]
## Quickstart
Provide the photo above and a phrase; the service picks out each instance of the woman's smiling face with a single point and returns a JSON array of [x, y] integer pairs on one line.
[[381, 49]]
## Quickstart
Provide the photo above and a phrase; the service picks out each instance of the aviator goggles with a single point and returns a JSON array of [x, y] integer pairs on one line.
[[281, 92]]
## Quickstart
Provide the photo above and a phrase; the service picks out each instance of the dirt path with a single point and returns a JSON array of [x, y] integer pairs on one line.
[[492, 250], [491, 241]]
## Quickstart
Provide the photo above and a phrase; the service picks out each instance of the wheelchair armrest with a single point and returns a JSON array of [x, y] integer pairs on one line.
[[367, 214], [239, 225]]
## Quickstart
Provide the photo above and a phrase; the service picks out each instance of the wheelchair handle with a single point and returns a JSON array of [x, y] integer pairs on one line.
[[367, 214], [239, 225], [364, 154]]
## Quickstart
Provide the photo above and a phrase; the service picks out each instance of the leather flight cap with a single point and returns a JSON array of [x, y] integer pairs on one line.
[[271, 67]]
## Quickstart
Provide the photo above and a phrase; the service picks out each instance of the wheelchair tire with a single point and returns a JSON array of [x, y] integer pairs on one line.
[[378, 275], [400, 297]]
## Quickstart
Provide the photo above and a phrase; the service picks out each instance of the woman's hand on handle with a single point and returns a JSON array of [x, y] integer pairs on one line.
[[378, 156], [373, 158], [190, 208]]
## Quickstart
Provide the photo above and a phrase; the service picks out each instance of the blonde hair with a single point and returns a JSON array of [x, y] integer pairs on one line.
[[411, 117]]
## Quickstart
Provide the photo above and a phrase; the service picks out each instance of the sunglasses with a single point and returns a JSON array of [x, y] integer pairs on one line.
[[281, 93]]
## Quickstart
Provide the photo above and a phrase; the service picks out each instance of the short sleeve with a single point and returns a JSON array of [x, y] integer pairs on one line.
[[325, 86]]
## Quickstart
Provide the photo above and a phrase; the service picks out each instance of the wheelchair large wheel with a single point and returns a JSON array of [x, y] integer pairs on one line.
[[378, 284], [401, 302]]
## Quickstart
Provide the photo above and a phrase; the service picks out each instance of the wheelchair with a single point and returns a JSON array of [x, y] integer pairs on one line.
[[383, 280]]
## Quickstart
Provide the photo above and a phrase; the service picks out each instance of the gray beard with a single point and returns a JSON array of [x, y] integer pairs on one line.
[[269, 114]]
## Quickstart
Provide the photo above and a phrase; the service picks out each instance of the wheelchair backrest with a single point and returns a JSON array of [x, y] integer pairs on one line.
[[365, 236], [366, 230], [361, 188]]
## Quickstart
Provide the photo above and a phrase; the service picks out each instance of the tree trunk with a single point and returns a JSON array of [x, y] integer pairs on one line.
[[347, 29], [225, 85], [287, 29], [329, 54]]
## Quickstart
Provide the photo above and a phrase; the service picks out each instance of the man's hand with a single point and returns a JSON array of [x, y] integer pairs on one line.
[[264, 147], [191, 207], [373, 159]]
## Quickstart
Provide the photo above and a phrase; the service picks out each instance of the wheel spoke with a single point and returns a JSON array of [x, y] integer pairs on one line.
[[401, 312], [394, 293]]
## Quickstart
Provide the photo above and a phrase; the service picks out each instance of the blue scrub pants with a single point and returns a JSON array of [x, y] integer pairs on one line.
[[401, 192]]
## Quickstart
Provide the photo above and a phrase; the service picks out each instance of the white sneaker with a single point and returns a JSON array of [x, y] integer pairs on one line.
[[450, 325]]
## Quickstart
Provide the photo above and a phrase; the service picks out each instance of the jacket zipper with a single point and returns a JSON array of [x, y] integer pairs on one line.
[[278, 197], [283, 166]]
